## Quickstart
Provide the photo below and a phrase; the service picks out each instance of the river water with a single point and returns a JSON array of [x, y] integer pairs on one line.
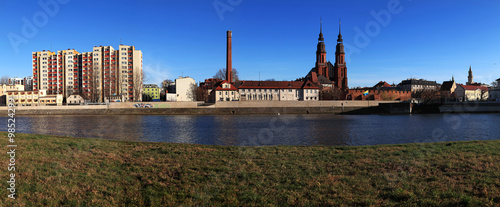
[[259, 130]]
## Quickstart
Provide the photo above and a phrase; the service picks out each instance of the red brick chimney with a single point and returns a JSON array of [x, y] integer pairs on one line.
[[229, 59]]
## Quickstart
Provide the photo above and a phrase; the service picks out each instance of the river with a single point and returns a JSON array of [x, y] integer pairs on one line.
[[260, 130]]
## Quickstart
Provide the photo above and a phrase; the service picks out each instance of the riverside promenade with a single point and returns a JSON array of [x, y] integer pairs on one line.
[[221, 108]]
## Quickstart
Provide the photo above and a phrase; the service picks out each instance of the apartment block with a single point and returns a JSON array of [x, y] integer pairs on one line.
[[153, 91], [101, 75]]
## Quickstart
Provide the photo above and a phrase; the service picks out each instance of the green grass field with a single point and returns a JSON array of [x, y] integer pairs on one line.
[[56, 171]]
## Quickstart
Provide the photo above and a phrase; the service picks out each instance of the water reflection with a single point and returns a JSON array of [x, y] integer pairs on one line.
[[259, 130]]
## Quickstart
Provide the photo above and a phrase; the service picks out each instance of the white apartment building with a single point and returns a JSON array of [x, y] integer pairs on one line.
[[183, 88]]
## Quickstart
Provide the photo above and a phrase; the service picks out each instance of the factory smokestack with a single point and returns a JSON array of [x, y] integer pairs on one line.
[[229, 58]]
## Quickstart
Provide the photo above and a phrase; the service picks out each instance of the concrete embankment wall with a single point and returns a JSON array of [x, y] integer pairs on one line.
[[168, 108], [470, 107]]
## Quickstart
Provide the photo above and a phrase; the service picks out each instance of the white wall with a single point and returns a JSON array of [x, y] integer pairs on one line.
[[171, 97], [182, 88]]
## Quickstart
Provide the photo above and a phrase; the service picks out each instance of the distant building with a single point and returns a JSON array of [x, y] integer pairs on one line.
[[382, 91], [207, 87], [278, 91], [417, 85], [97, 75], [75, 100], [152, 90], [337, 72], [34, 98], [470, 78], [448, 88], [471, 93], [225, 91], [27, 82], [494, 92], [183, 86], [6, 88]]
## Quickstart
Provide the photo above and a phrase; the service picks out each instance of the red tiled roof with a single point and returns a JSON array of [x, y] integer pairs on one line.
[[309, 85], [231, 88], [314, 77], [382, 84], [277, 84], [473, 88]]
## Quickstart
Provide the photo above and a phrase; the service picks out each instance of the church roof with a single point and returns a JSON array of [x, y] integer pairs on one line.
[[447, 85]]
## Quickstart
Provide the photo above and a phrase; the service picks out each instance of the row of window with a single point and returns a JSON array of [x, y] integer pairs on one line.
[[276, 90]]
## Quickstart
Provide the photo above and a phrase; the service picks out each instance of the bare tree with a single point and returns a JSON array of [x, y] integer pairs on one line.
[[386, 96], [221, 74], [93, 84], [494, 84], [193, 91], [137, 85], [330, 94], [4, 79], [166, 83]]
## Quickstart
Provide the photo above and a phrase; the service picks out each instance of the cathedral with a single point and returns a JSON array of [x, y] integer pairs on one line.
[[336, 74]]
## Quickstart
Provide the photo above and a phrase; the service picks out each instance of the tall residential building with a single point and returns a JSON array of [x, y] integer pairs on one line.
[[27, 82], [100, 75]]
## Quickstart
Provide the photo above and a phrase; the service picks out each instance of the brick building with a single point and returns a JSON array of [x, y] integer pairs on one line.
[[337, 72], [381, 91]]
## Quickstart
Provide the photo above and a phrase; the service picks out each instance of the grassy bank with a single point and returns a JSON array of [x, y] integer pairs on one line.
[[93, 172]]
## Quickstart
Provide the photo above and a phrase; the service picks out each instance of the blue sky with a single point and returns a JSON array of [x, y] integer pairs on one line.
[[423, 39]]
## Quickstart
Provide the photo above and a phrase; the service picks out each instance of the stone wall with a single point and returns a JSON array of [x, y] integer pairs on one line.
[[236, 107]]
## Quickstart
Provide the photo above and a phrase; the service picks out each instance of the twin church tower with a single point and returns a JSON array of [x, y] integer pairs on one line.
[[336, 73]]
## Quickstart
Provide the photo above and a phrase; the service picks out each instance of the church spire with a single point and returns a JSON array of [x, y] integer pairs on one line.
[[339, 40], [470, 77], [321, 39]]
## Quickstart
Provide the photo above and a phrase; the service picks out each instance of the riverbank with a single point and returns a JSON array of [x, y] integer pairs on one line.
[[54, 171], [200, 108]]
